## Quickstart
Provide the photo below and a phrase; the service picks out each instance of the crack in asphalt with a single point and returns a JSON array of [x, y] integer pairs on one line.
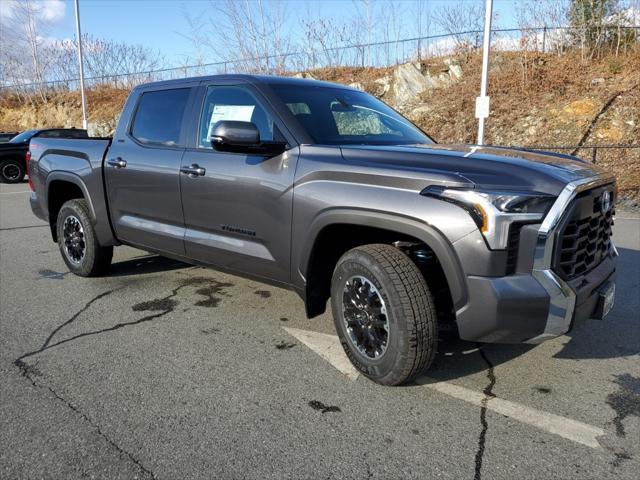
[[22, 228], [162, 305], [488, 395], [28, 372], [46, 345], [31, 371]]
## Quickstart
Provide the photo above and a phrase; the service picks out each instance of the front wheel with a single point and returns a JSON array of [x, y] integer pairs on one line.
[[12, 171], [78, 242], [383, 313]]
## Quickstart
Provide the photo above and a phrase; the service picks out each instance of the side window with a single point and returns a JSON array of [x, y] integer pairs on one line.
[[232, 103], [158, 118]]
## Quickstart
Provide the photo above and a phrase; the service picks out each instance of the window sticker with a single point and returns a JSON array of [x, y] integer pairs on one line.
[[241, 113]]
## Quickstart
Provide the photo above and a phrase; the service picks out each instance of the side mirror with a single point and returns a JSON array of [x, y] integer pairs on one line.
[[242, 137], [233, 133]]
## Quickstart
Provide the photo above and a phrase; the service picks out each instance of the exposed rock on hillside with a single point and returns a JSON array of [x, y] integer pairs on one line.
[[409, 82], [411, 79]]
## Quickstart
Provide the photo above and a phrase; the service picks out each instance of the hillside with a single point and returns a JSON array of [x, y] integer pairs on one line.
[[536, 100]]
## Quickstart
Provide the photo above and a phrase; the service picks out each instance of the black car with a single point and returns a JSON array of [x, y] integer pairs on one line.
[[6, 136], [13, 165]]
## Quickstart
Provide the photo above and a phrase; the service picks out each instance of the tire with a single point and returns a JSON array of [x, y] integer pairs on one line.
[[12, 171], [79, 246], [397, 296]]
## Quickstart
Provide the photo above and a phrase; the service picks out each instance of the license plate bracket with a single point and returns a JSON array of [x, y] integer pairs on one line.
[[606, 299]]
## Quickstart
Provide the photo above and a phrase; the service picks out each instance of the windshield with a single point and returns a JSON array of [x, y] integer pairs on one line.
[[23, 137], [337, 116]]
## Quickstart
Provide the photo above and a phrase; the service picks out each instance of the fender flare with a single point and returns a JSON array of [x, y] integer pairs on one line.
[[70, 178], [411, 226]]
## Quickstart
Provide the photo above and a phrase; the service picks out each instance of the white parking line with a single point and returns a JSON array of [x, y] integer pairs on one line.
[[15, 193], [564, 427], [329, 348]]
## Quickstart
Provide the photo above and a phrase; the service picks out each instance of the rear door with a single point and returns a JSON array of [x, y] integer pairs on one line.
[[238, 213], [142, 171]]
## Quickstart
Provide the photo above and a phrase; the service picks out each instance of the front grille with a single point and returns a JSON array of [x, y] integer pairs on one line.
[[513, 243], [584, 235]]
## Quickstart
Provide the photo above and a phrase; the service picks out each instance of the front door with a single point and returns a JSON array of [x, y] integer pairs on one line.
[[237, 211], [142, 171]]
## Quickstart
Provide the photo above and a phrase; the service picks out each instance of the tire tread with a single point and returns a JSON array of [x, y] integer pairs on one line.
[[416, 305], [102, 256]]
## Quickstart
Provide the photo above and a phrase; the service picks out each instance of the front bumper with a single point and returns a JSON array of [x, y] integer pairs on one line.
[[536, 306], [519, 309]]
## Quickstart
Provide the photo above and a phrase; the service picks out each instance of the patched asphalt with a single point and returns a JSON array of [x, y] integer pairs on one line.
[[163, 370]]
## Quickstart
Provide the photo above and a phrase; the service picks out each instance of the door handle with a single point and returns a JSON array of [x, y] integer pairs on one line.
[[194, 170], [117, 162]]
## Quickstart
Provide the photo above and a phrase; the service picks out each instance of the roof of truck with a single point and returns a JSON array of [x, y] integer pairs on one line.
[[254, 79]]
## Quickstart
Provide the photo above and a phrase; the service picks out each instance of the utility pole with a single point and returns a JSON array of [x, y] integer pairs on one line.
[[81, 65], [482, 102]]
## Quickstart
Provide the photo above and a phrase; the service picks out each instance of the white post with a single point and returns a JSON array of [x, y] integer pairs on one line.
[[80, 63], [482, 102]]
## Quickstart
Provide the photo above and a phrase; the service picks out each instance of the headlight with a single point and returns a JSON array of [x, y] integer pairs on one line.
[[494, 212]]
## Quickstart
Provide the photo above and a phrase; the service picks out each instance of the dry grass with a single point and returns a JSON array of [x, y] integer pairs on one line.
[[62, 109]]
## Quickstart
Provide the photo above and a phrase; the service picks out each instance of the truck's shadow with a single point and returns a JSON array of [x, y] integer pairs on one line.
[[616, 336], [144, 265]]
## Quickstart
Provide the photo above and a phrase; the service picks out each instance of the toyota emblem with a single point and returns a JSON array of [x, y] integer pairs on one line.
[[605, 201]]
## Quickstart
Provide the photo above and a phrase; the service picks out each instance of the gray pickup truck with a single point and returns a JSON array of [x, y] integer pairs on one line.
[[327, 191]]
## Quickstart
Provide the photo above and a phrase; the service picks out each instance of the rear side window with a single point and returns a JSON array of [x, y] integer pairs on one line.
[[158, 118]]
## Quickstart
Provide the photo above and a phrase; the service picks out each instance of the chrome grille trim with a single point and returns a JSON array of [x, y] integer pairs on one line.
[[562, 297]]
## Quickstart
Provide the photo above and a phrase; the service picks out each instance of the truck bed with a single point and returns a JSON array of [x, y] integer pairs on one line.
[[78, 161]]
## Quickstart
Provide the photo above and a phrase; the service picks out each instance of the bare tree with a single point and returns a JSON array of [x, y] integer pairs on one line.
[[542, 24], [23, 32], [106, 62], [249, 34], [600, 25], [392, 29], [422, 24], [321, 39], [463, 21], [362, 27]]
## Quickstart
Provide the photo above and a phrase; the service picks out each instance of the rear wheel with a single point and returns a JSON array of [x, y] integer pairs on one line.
[[383, 313], [12, 171], [78, 242]]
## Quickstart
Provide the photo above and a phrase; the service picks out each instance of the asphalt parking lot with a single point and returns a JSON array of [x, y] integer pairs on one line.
[[163, 370]]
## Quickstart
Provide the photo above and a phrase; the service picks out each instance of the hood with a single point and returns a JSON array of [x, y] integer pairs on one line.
[[490, 167]]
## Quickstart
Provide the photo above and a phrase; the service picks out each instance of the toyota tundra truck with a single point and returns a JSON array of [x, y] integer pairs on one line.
[[327, 191]]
